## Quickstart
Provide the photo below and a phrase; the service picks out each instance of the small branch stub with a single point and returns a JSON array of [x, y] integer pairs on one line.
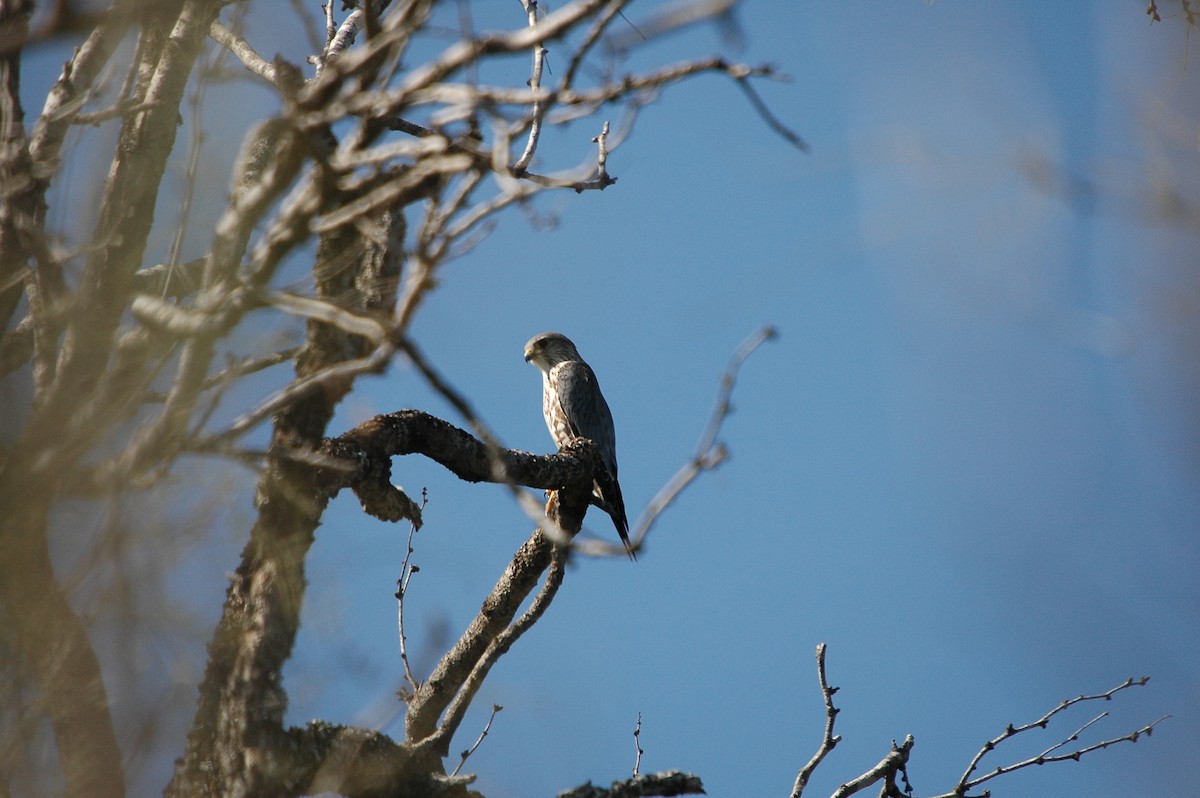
[[602, 180]]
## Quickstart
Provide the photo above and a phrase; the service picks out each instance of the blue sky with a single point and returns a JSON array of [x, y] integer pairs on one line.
[[969, 463]]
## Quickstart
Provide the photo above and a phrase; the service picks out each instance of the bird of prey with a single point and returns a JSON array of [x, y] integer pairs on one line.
[[574, 408]]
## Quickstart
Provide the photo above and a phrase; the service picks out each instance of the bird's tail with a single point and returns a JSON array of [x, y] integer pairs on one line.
[[614, 505]]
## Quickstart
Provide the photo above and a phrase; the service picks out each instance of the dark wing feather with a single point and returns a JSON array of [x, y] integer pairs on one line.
[[587, 413]]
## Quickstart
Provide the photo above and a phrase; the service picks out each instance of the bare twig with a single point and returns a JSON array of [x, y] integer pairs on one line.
[[342, 38], [895, 763], [486, 728], [602, 180], [637, 745], [968, 782], [709, 453], [828, 740], [535, 83], [760, 107], [406, 574], [330, 25]]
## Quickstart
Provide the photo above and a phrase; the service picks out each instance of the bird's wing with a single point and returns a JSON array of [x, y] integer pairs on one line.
[[586, 411], [589, 417]]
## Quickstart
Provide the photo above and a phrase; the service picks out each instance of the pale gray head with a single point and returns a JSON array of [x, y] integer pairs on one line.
[[546, 350]]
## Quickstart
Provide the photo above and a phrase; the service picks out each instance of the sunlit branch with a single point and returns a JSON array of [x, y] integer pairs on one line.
[[315, 309], [496, 649], [894, 763], [242, 50], [829, 740], [487, 727], [968, 782], [535, 83], [441, 385], [709, 453]]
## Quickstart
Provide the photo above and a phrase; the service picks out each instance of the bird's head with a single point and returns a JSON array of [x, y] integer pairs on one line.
[[548, 349]]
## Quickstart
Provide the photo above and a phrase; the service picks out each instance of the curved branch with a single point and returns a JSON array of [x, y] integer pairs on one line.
[[829, 740], [709, 453], [360, 459]]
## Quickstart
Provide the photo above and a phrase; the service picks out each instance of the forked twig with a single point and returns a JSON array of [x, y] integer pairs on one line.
[[967, 783], [895, 763], [496, 649]]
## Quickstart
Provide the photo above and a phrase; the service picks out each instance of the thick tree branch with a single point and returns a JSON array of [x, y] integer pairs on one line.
[[894, 763], [440, 740], [110, 414], [360, 459]]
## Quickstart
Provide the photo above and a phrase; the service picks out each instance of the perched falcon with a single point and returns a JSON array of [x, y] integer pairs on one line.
[[574, 408]]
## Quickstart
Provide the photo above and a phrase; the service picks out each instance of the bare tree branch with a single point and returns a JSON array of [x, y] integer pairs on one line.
[[129, 362], [496, 708], [829, 740], [969, 782], [535, 83], [709, 453], [499, 646], [895, 763], [406, 574], [244, 52]]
